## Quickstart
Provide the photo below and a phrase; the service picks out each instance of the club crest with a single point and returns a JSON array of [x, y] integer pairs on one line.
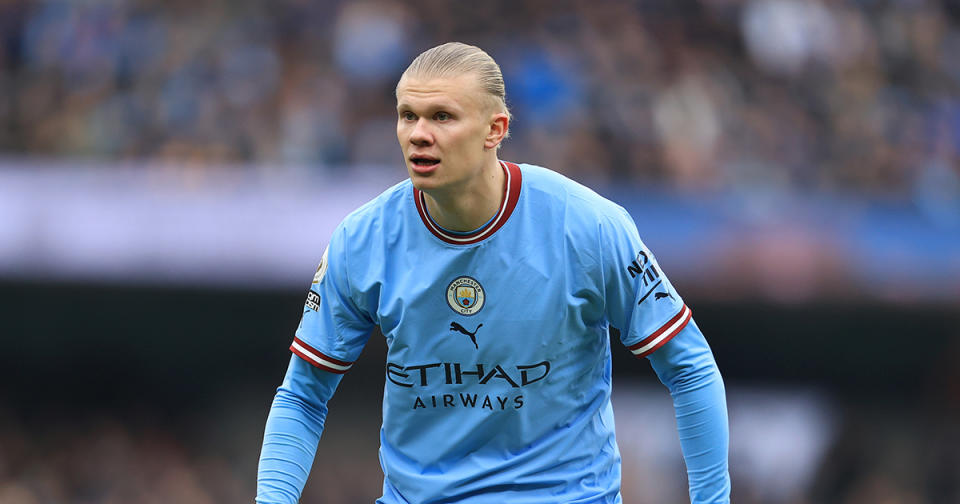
[[465, 295]]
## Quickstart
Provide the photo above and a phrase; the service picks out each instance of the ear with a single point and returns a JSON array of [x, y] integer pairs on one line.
[[499, 125]]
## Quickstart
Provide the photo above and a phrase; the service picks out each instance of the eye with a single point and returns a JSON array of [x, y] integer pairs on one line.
[[408, 116], [442, 116]]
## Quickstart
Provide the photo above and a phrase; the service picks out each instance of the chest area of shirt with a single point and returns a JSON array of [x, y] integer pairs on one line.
[[497, 309]]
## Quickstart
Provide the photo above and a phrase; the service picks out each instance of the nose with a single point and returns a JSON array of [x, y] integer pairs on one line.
[[421, 135]]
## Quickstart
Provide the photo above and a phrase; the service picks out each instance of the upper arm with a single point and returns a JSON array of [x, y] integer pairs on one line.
[[335, 325], [640, 300]]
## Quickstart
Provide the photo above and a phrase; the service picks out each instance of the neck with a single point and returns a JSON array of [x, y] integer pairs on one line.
[[470, 205]]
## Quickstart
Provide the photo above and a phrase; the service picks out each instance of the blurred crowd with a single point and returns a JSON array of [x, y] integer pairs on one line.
[[880, 457], [805, 95], [125, 457], [101, 460]]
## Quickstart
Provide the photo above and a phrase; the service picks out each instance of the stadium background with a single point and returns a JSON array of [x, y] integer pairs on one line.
[[170, 173]]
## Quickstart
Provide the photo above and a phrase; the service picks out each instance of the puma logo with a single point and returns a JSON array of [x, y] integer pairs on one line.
[[661, 295], [459, 328]]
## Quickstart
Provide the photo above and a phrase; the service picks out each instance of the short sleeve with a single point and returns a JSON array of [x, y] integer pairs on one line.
[[640, 301], [334, 327]]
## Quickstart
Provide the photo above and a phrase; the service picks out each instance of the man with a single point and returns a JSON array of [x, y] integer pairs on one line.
[[494, 285]]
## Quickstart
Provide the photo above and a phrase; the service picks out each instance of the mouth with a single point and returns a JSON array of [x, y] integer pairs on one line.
[[423, 164]]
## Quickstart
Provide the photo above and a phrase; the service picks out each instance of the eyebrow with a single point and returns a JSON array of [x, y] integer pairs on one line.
[[433, 107]]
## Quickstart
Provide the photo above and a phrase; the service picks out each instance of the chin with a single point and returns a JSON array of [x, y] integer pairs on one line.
[[425, 184]]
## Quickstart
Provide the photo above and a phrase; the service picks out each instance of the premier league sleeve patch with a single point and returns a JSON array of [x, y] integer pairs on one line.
[[465, 296], [321, 268]]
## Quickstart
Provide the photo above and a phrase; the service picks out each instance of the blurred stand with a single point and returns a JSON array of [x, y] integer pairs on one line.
[[768, 96]]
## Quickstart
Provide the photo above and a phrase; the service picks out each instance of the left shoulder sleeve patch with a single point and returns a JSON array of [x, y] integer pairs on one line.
[[322, 267]]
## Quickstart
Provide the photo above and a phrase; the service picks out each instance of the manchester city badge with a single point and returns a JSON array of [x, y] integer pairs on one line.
[[465, 295]]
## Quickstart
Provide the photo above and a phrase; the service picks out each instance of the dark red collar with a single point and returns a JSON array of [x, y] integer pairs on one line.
[[511, 194]]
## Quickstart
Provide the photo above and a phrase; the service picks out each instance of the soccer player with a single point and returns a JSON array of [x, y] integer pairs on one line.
[[494, 285]]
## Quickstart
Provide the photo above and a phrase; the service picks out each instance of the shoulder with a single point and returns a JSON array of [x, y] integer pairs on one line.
[[377, 217], [581, 205]]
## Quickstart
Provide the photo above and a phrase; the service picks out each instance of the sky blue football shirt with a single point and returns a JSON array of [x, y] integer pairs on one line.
[[497, 375]]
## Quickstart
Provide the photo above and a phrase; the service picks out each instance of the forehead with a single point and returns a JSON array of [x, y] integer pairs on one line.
[[461, 91]]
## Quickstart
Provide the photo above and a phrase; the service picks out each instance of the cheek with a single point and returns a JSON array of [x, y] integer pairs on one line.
[[471, 140]]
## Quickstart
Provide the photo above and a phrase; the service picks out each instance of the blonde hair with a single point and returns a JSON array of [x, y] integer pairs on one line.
[[454, 59]]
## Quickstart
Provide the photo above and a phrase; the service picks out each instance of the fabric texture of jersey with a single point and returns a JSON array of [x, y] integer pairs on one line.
[[497, 375]]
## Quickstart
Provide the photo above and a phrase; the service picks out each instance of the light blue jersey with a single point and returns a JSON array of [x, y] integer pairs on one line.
[[497, 375]]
